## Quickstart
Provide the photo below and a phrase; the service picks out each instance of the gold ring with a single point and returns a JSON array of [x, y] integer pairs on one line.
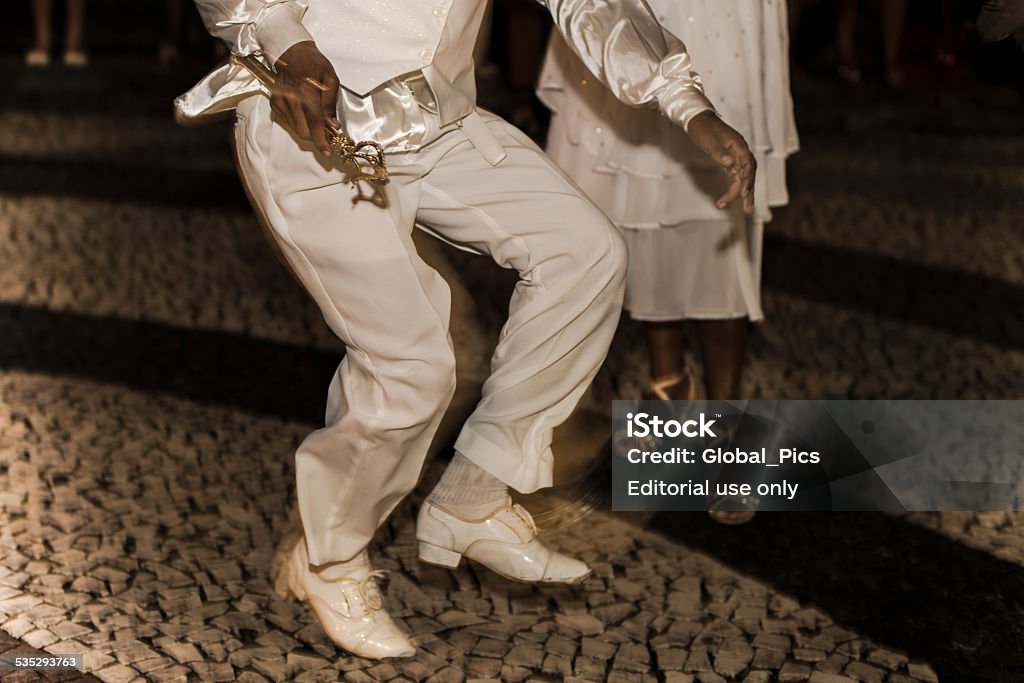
[[316, 84]]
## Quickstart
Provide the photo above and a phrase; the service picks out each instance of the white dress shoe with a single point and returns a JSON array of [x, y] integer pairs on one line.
[[505, 542], [348, 605]]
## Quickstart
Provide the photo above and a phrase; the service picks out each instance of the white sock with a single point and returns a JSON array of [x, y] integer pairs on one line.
[[468, 491]]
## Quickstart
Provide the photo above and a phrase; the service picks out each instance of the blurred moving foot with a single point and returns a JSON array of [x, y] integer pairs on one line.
[[76, 59], [37, 58], [505, 541], [347, 602]]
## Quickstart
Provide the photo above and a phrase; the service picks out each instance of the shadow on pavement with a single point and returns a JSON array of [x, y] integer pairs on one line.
[[959, 609]]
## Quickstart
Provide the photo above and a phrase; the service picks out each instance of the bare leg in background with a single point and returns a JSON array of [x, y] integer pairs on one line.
[[722, 343], [846, 40], [665, 341], [74, 40], [894, 17], [42, 16]]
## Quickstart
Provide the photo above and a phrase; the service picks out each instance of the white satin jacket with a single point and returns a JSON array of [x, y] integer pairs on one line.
[[384, 51]]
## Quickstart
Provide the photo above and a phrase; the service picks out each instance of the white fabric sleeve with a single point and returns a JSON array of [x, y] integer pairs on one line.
[[624, 46], [271, 26]]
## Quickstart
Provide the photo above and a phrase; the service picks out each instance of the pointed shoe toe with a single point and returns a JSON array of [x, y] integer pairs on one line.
[[386, 644], [563, 569]]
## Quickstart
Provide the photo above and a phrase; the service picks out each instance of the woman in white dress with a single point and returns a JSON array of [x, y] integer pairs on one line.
[[689, 260]]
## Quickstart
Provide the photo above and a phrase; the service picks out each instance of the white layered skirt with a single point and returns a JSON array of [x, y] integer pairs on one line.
[[688, 259]]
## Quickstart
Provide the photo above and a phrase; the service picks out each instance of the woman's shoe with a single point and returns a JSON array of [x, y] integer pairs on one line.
[[37, 58], [76, 59], [659, 388], [733, 510]]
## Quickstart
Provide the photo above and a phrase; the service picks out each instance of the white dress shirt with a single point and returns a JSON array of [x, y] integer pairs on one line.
[[397, 59]]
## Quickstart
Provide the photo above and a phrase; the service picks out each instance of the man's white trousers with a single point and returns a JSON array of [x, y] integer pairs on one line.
[[391, 309]]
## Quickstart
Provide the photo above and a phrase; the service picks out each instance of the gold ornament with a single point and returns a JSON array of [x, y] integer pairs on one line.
[[366, 157]]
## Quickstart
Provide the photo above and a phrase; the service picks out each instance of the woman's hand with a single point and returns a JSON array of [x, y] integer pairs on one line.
[[721, 142], [305, 94]]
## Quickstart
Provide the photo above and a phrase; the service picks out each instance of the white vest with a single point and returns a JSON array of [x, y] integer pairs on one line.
[[370, 42]]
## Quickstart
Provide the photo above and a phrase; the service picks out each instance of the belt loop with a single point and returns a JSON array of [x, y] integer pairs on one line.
[[483, 139]]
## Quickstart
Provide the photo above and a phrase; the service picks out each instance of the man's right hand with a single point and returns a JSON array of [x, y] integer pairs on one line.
[[305, 94]]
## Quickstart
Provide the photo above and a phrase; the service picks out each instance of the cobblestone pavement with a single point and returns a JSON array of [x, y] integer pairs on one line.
[[12, 647], [158, 368]]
